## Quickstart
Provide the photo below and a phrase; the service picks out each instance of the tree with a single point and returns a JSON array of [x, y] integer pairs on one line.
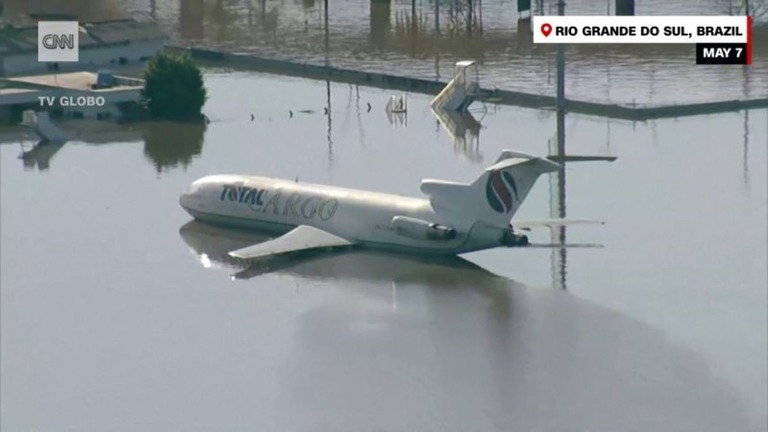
[[757, 8], [174, 88]]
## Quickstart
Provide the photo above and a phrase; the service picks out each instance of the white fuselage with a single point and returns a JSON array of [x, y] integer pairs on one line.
[[361, 217]]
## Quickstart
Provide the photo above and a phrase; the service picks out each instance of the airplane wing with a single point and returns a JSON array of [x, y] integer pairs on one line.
[[300, 238], [528, 224]]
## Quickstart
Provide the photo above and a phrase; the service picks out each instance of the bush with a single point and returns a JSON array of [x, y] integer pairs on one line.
[[174, 87]]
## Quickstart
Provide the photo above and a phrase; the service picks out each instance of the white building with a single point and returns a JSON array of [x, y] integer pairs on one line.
[[73, 95], [101, 44]]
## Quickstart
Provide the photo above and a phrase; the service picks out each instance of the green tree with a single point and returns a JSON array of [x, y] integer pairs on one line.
[[174, 87]]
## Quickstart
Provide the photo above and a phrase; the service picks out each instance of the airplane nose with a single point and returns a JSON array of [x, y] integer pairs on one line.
[[186, 199], [194, 197]]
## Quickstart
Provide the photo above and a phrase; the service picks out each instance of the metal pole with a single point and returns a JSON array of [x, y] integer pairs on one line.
[[326, 30], [412, 38], [328, 84], [437, 40], [746, 147], [328, 135], [560, 81], [559, 256]]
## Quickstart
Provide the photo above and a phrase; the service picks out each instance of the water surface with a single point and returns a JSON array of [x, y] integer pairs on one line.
[[113, 320], [424, 41]]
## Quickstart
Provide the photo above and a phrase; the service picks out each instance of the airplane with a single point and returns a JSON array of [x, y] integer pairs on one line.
[[211, 244], [382, 271], [456, 217]]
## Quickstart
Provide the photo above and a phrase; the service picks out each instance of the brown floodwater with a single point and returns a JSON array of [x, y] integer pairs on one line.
[[384, 36]]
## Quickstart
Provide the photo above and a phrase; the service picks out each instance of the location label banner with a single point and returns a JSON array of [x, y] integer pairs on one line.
[[641, 29]]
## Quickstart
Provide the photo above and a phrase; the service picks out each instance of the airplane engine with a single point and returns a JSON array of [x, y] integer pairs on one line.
[[420, 229]]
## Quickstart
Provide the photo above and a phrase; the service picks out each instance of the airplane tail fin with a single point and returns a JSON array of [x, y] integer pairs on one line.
[[496, 194]]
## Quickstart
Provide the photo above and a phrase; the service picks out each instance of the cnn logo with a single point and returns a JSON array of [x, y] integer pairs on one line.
[[57, 41]]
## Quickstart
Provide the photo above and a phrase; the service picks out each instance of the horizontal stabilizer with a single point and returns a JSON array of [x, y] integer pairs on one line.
[[564, 246], [300, 238], [528, 224], [581, 158]]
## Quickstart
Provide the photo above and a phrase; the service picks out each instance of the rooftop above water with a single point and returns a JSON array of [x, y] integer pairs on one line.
[[83, 81], [23, 38]]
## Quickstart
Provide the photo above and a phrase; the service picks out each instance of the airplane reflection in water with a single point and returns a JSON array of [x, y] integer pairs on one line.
[[212, 244], [444, 346]]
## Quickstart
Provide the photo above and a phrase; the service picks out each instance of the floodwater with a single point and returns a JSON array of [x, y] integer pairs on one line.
[[118, 314], [384, 36]]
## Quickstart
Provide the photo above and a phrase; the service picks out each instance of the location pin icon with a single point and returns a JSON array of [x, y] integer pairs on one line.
[[546, 29]]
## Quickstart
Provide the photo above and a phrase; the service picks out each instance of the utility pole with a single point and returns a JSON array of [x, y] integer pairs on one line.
[[437, 41], [557, 179], [328, 82], [561, 83], [325, 22]]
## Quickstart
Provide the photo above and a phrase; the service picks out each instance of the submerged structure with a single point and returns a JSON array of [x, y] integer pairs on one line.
[[461, 91], [115, 42], [76, 95]]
